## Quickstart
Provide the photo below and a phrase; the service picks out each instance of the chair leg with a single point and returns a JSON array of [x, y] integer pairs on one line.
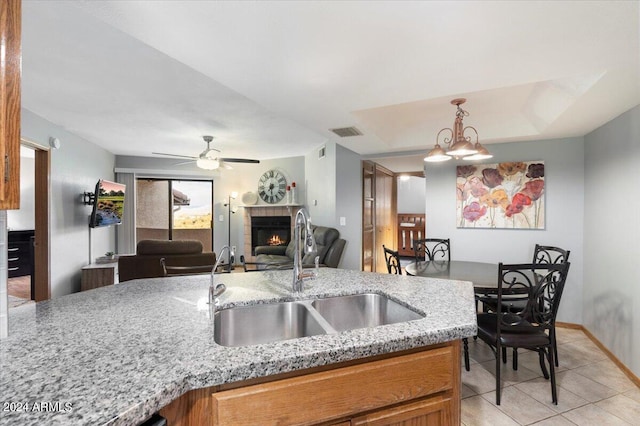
[[465, 343], [555, 347], [515, 359], [498, 374], [543, 367], [552, 370], [504, 355]]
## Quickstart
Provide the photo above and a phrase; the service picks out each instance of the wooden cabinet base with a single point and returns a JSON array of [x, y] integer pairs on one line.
[[411, 388]]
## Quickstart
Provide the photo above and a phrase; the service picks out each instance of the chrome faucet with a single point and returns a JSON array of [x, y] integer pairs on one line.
[[302, 219], [216, 290]]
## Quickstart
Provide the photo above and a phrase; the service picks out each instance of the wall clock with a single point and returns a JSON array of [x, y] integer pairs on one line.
[[272, 186]]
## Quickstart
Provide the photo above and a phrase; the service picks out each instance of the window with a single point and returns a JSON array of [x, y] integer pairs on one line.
[[168, 209]]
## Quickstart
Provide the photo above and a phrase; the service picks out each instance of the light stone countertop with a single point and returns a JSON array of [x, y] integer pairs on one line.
[[117, 354]]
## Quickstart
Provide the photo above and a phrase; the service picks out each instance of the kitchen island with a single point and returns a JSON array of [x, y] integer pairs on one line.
[[116, 355]]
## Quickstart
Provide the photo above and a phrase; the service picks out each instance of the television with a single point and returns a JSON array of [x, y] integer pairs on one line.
[[108, 205]]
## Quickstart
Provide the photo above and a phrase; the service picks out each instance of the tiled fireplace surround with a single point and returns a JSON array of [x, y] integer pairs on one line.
[[260, 210]]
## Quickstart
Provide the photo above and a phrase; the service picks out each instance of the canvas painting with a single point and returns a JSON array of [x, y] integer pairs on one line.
[[504, 195]]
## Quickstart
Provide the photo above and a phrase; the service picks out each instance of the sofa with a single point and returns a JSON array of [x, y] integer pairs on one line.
[[329, 244], [146, 262]]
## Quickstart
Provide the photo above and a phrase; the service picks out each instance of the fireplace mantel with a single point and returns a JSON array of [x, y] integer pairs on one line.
[[262, 206]]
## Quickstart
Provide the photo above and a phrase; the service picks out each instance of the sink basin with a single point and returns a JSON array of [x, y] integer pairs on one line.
[[362, 310], [255, 324]]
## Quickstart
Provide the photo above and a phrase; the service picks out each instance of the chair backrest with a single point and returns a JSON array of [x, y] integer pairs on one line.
[[432, 249], [533, 293], [550, 254], [393, 261], [184, 270]]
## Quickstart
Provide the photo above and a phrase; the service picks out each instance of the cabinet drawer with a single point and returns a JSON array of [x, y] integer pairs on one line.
[[434, 411], [20, 247], [18, 270], [337, 393]]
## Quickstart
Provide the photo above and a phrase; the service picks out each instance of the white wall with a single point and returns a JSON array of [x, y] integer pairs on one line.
[[75, 168], [612, 231], [320, 182], [411, 195], [349, 205], [24, 218], [564, 176]]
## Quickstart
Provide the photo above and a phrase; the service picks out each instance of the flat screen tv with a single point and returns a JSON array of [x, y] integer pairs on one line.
[[109, 204]]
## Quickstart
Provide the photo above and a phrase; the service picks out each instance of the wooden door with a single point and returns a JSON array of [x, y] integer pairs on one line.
[[368, 216], [385, 215]]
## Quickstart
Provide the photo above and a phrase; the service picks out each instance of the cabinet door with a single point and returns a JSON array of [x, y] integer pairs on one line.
[[428, 412], [10, 58]]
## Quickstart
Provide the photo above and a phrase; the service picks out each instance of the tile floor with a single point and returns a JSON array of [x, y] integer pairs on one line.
[[592, 390]]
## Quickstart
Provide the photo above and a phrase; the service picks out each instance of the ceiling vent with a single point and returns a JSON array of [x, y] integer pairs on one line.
[[345, 132]]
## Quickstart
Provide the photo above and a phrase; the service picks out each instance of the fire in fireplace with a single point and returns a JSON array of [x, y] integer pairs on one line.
[[275, 240], [270, 231]]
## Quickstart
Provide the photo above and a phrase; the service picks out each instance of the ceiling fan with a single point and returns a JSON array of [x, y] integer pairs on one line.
[[208, 159]]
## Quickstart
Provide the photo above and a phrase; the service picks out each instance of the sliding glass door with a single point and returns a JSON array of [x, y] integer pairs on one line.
[[169, 209]]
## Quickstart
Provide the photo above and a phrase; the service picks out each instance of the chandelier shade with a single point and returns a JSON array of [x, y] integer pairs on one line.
[[460, 146]]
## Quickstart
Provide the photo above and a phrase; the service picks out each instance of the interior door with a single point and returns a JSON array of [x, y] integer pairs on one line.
[[368, 216], [378, 215], [385, 215]]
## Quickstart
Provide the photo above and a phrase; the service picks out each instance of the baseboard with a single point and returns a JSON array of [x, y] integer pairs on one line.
[[603, 348]]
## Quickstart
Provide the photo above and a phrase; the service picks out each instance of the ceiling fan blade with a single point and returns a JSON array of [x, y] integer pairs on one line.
[[240, 160], [175, 155], [225, 165]]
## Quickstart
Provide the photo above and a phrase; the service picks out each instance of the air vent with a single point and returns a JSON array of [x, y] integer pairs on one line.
[[345, 132]]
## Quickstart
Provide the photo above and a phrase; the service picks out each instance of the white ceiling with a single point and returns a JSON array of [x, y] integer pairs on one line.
[[268, 79]]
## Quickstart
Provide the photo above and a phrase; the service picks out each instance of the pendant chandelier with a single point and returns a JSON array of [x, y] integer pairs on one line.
[[459, 145]]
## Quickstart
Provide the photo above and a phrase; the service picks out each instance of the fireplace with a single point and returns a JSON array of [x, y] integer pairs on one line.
[[270, 231]]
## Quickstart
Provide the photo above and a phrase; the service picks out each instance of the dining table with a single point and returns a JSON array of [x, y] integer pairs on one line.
[[484, 276]]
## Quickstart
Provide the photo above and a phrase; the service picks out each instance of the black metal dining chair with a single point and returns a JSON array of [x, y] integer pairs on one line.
[[432, 249], [534, 292], [392, 258], [550, 254], [542, 255]]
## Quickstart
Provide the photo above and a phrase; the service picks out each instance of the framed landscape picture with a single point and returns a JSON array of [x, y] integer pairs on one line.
[[508, 195]]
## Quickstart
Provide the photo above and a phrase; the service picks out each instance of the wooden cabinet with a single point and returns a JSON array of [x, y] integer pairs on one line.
[[20, 253], [416, 388], [435, 411], [10, 60], [99, 275]]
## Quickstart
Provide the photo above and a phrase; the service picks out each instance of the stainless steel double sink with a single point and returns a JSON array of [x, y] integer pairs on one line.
[[264, 323]]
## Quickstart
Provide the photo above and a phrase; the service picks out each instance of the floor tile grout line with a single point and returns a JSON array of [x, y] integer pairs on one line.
[[588, 362]]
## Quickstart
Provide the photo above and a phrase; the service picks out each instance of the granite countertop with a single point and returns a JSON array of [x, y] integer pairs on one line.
[[117, 354]]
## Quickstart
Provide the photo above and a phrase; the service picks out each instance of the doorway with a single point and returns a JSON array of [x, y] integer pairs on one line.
[[378, 215], [28, 229]]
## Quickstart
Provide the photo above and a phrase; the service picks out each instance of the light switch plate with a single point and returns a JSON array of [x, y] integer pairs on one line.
[[221, 218], [343, 221]]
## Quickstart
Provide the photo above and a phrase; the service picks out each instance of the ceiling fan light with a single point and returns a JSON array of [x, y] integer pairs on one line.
[[207, 163]]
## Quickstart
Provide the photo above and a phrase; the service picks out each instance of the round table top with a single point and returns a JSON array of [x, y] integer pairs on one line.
[[484, 276]]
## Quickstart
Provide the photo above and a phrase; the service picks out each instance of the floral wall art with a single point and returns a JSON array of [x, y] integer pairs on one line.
[[504, 195]]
